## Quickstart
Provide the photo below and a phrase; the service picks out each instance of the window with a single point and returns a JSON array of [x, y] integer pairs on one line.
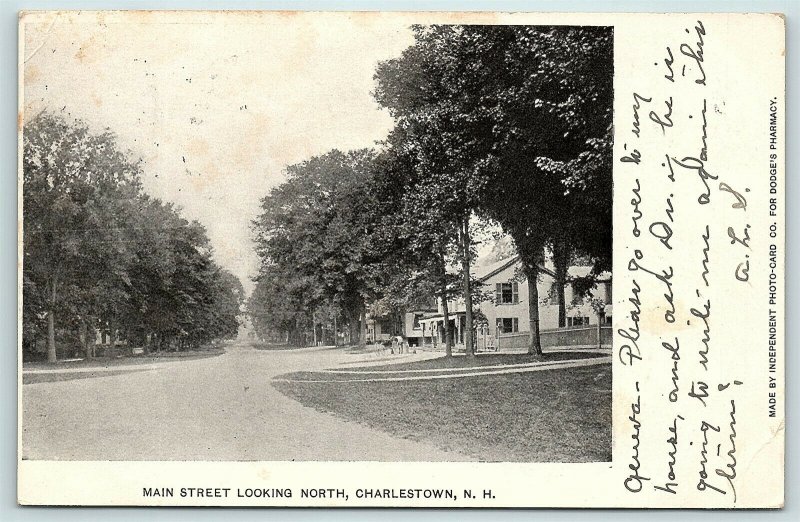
[[576, 296], [506, 293], [508, 325], [577, 321], [552, 296], [607, 320], [415, 324], [608, 292]]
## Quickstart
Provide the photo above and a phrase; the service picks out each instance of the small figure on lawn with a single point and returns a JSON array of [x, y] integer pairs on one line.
[[399, 342]]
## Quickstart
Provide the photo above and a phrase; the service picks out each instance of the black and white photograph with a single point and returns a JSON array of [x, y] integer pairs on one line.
[[400, 259], [384, 247]]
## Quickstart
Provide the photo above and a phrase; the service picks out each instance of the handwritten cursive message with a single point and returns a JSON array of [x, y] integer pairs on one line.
[[687, 275]]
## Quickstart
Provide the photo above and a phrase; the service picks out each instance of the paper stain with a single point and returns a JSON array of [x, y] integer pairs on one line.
[[245, 151], [197, 147], [31, 74], [206, 176], [88, 50]]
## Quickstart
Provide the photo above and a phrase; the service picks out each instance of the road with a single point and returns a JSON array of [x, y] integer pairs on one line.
[[217, 408]]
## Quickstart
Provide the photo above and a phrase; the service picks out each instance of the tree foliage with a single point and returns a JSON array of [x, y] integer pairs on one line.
[[101, 255], [322, 232], [515, 123], [509, 124]]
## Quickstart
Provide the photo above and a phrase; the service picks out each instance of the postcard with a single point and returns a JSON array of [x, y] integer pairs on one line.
[[401, 259]]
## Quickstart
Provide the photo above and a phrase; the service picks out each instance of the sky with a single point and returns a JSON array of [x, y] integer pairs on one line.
[[216, 108]]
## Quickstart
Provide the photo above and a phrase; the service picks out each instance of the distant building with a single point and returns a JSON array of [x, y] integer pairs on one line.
[[382, 329]]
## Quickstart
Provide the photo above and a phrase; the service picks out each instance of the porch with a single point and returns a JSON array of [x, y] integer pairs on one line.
[[433, 333]]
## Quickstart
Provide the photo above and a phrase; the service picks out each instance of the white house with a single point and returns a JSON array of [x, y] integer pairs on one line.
[[503, 319]]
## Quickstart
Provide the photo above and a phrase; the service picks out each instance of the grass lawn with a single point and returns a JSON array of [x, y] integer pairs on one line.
[[559, 415], [129, 360], [282, 346], [493, 359], [35, 378]]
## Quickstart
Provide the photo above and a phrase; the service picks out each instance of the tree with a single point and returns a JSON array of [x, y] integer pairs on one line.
[[553, 91], [73, 182], [99, 253], [276, 305], [420, 89], [515, 121], [417, 236], [320, 229]]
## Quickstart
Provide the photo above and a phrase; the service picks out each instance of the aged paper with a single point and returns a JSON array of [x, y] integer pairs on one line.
[[365, 259]]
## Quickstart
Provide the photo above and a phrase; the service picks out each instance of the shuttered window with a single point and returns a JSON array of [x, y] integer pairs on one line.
[[506, 293], [508, 324]]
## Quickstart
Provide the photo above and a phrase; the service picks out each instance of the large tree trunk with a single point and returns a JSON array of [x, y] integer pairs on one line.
[[51, 324], [448, 338], [314, 327], [532, 274], [112, 337], [84, 336], [561, 255], [51, 336], [352, 331], [465, 267], [600, 316], [362, 333], [353, 327], [297, 337]]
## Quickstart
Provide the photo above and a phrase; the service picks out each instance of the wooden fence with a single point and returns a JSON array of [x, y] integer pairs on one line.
[[580, 336]]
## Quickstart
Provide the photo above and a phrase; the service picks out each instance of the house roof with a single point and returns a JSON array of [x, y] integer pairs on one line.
[[485, 272]]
